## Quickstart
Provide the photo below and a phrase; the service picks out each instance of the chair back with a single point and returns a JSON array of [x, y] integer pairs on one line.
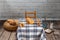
[[30, 14]]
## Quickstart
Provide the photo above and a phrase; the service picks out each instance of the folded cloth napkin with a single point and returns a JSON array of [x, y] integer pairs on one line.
[[31, 32]]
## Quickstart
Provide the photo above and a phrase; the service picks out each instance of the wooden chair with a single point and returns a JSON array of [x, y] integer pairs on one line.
[[29, 14]]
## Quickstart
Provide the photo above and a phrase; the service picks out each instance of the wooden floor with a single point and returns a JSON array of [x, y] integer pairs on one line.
[[8, 35]]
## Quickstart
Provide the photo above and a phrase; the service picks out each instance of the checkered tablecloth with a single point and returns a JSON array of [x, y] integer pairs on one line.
[[31, 32]]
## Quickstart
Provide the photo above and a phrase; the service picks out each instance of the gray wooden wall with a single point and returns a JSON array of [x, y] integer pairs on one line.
[[16, 8]]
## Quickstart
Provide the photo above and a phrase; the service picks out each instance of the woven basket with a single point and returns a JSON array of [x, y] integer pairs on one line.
[[10, 27]]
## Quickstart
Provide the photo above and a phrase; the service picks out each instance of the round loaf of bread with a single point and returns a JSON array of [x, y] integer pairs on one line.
[[11, 24]]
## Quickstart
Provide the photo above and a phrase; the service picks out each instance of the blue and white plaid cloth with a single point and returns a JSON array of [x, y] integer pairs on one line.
[[31, 32]]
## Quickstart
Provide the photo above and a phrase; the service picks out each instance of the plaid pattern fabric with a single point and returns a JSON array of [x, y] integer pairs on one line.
[[30, 32]]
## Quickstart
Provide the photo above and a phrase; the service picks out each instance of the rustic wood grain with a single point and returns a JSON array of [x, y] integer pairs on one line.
[[53, 37], [57, 34], [13, 36], [49, 36], [5, 35], [1, 31]]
